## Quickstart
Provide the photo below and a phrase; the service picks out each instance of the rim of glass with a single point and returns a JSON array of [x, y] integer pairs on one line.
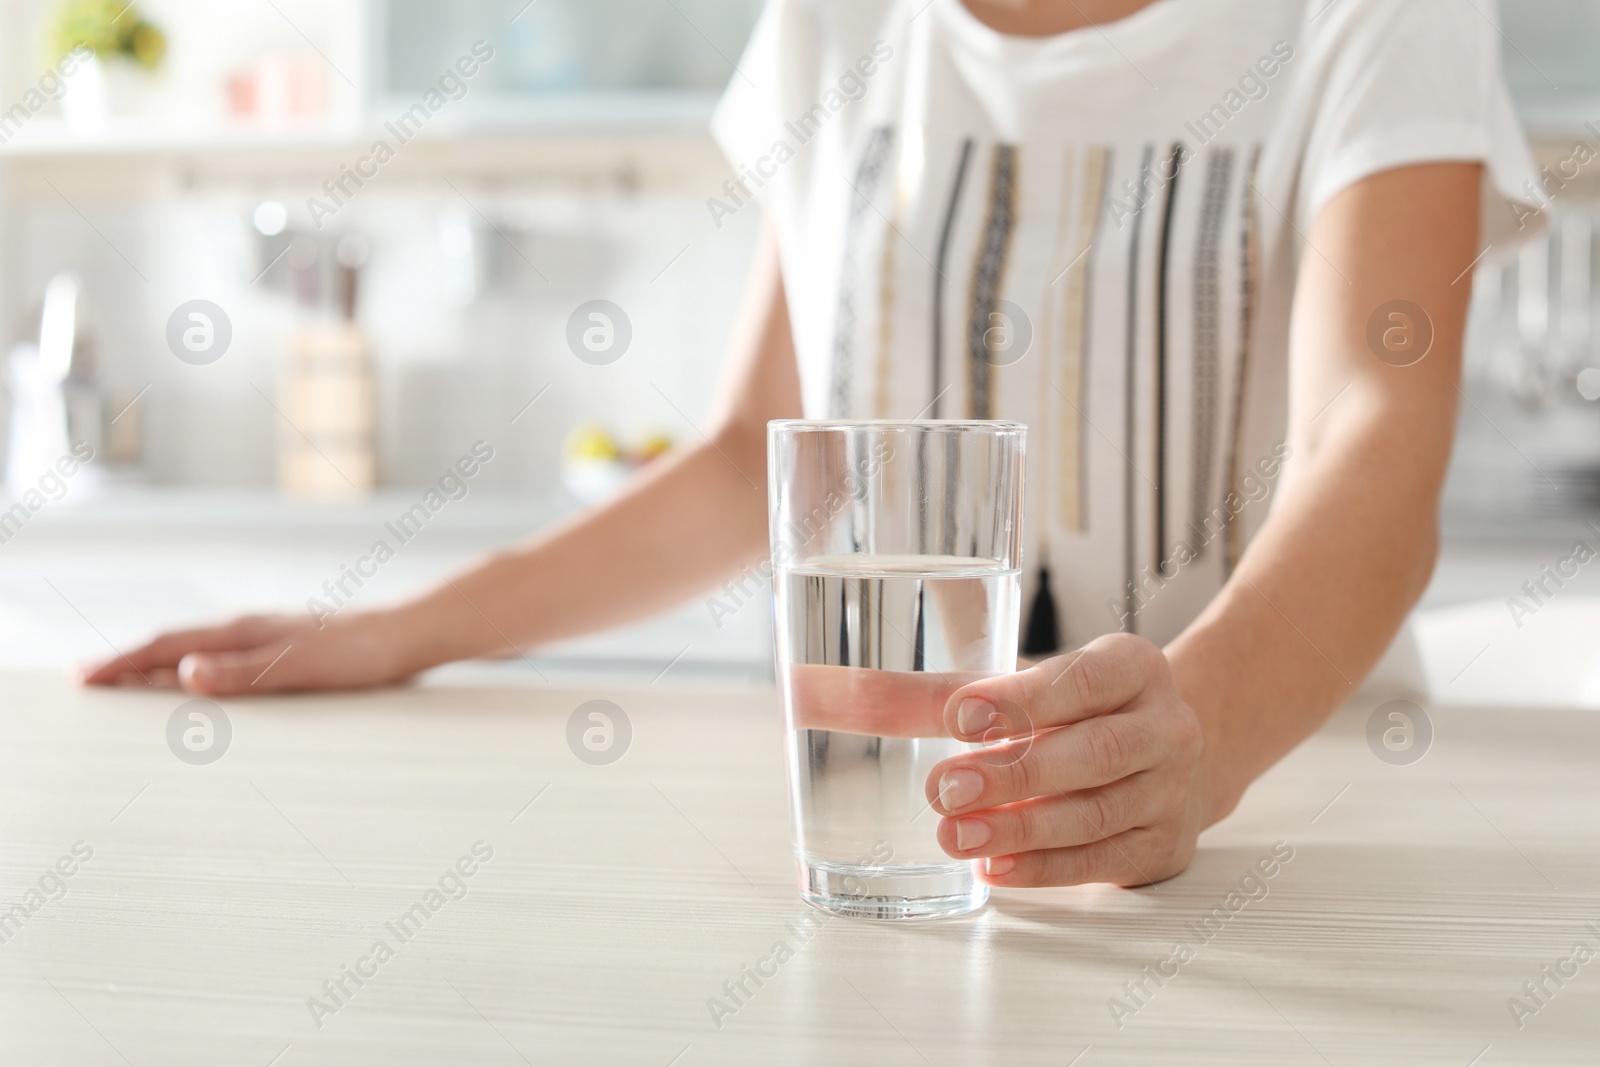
[[995, 426]]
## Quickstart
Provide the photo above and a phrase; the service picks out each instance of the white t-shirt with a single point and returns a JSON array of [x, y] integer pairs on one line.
[[974, 225]]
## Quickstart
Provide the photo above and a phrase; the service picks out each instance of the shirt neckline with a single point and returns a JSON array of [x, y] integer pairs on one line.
[[1145, 32]]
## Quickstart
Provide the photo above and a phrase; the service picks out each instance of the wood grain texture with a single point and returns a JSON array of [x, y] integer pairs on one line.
[[220, 899]]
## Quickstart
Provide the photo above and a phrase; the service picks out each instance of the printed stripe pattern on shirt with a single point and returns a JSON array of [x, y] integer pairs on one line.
[[938, 385], [1071, 424], [1137, 409], [1249, 266], [1174, 165], [870, 168], [1207, 309], [1130, 508], [988, 274]]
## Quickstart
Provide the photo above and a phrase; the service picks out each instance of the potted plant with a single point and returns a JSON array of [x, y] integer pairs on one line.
[[126, 50]]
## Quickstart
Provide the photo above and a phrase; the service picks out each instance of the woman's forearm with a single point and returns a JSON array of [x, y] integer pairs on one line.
[[696, 516], [1353, 535], [1310, 610]]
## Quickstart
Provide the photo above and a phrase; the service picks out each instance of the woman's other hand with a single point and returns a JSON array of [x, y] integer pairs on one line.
[[266, 653]]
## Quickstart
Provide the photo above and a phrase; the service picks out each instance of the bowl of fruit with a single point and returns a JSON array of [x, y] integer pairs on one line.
[[596, 464]]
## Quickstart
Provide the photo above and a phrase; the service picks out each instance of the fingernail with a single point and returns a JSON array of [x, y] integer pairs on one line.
[[974, 715], [959, 787], [194, 669], [971, 833], [995, 866]]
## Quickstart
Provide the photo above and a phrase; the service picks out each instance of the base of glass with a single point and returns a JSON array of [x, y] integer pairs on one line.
[[892, 893]]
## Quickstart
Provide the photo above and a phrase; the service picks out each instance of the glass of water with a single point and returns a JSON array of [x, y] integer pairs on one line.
[[896, 554]]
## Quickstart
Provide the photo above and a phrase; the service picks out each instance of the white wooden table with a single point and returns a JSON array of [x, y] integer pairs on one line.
[[619, 899]]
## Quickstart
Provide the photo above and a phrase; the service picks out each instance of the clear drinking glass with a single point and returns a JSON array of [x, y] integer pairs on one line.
[[896, 554]]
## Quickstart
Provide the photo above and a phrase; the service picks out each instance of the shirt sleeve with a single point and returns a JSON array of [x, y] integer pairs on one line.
[[748, 105], [1405, 82]]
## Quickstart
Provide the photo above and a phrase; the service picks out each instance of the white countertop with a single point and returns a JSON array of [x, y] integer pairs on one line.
[[619, 899]]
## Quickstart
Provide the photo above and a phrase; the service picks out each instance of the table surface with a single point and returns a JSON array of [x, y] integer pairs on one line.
[[619, 899]]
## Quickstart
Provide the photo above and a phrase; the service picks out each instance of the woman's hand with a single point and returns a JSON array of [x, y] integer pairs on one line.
[[1094, 776], [266, 653]]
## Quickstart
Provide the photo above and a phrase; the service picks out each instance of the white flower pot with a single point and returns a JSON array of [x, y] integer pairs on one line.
[[100, 91]]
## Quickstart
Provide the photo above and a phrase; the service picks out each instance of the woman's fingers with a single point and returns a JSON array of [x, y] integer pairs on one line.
[[155, 677], [1088, 774], [1056, 821], [267, 654], [267, 669], [1136, 857], [166, 650], [1100, 677], [119, 670], [1081, 756]]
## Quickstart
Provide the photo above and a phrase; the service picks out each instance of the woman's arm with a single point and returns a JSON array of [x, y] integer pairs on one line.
[[1351, 542], [691, 518], [1123, 752]]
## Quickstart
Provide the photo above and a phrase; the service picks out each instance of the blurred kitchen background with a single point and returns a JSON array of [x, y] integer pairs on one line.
[[430, 310]]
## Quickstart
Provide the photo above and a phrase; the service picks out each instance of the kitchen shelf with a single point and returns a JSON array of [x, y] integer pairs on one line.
[[44, 139], [585, 116], [134, 159]]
